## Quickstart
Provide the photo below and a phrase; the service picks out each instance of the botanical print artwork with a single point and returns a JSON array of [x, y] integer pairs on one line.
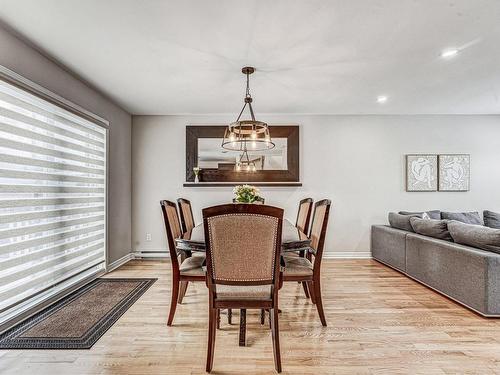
[[454, 172], [421, 172]]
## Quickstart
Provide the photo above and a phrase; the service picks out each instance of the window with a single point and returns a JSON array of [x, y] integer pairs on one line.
[[52, 199]]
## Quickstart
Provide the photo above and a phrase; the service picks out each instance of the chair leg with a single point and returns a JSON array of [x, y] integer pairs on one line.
[[229, 316], [306, 291], [173, 301], [276, 338], [243, 327], [182, 290], [212, 330], [310, 288], [218, 318], [302, 254], [319, 302], [262, 316]]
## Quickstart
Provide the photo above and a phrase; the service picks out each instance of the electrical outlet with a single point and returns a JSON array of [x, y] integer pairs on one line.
[[148, 236]]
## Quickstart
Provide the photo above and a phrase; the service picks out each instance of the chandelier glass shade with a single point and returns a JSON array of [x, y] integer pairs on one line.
[[244, 135]]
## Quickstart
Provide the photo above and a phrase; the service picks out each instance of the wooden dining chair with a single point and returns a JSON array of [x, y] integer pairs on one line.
[[304, 214], [302, 224], [243, 264], [308, 269], [186, 214], [184, 269]]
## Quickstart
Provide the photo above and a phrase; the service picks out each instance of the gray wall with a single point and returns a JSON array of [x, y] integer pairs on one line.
[[356, 161], [26, 61]]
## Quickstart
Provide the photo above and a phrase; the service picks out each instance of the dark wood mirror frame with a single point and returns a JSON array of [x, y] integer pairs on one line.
[[213, 176]]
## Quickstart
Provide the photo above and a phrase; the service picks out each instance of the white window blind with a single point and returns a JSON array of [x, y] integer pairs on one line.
[[52, 197]]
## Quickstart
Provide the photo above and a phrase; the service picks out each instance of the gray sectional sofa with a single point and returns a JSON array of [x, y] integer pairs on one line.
[[466, 274]]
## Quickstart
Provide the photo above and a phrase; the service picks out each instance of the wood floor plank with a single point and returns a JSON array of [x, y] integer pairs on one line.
[[379, 322]]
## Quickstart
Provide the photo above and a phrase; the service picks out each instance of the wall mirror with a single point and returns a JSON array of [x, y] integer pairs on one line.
[[279, 165]]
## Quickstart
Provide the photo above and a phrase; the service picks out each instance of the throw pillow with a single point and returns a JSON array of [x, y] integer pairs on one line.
[[432, 228], [491, 219], [464, 217], [401, 221], [475, 235], [434, 214]]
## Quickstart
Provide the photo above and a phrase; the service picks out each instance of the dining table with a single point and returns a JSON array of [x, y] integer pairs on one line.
[[292, 240]]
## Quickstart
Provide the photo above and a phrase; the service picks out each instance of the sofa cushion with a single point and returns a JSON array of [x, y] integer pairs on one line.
[[432, 228], [434, 214], [402, 222], [464, 217], [491, 219], [475, 235]]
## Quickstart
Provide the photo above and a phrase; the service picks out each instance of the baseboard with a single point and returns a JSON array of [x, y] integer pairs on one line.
[[159, 253], [119, 262], [348, 255]]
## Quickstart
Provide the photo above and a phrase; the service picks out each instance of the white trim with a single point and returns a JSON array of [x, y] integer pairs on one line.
[[157, 253], [25, 81], [119, 262], [348, 255]]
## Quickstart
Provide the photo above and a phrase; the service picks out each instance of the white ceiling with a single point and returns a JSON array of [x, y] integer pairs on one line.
[[324, 57]]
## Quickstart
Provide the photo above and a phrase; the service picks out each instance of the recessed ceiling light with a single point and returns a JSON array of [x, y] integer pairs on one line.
[[448, 53], [381, 99]]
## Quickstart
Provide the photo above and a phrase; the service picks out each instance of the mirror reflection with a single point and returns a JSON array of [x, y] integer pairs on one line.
[[212, 156]]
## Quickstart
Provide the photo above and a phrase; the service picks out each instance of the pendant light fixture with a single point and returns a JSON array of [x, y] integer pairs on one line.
[[244, 163], [244, 135]]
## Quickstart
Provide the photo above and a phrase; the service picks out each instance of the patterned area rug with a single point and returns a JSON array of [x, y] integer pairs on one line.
[[78, 320]]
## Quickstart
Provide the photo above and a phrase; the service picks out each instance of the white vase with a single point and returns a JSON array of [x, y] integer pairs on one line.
[[196, 179]]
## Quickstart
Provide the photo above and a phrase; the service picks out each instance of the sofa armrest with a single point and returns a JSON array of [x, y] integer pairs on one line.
[[388, 245]]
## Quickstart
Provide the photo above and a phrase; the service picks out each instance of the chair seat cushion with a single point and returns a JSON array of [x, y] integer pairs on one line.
[[297, 266], [244, 292], [192, 266]]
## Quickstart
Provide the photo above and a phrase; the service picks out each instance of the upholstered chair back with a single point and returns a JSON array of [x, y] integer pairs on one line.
[[304, 215], [318, 228], [186, 214], [243, 243], [172, 228]]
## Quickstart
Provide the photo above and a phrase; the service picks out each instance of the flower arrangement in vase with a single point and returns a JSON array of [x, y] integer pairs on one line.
[[246, 194]]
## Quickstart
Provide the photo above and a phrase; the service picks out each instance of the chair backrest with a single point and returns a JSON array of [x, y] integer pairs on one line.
[[173, 229], [186, 214], [243, 244], [318, 229], [304, 214]]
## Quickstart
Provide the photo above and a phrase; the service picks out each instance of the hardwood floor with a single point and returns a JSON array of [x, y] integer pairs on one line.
[[379, 322]]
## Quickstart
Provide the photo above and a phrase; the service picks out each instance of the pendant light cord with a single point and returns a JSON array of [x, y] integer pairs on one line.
[[247, 93]]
